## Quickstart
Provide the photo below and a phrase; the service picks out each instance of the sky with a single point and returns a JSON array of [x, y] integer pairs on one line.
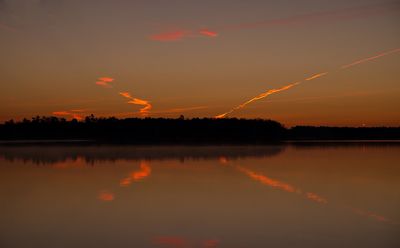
[[206, 58]]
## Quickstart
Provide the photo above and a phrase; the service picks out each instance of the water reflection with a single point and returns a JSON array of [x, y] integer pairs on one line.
[[135, 176], [182, 242], [247, 196]]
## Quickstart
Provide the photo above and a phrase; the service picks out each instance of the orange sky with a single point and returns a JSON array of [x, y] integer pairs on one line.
[[202, 59]]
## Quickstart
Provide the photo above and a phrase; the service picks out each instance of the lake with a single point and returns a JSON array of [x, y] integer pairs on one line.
[[292, 195]]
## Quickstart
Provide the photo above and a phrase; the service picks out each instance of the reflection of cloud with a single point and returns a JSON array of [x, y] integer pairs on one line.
[[182, 242], [211, 243], [170, 241], [106, 196], [145, 171]]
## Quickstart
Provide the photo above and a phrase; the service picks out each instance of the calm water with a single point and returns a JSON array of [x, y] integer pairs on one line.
[[274, 196]]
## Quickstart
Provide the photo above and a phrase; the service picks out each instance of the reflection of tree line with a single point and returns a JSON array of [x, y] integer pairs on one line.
[[42, 155], [180, 131]]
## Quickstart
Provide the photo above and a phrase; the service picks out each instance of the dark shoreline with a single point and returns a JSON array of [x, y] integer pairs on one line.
[[161, 131]]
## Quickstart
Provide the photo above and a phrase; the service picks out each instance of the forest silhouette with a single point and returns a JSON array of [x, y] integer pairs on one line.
[[181, 131]]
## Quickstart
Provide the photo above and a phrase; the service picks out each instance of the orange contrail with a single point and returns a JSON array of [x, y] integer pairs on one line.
[[316, 76], [143, 111], [261, 96], [370, 58]]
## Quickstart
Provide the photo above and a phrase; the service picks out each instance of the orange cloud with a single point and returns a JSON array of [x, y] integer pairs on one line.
[[143, 111], [261, 96], [105, 82], [370, 58], [74, 114], [182, 34], [145, 171], [105, 196], [207, 32]]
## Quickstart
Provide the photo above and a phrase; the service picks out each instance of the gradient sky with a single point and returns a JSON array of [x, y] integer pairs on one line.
[[202, 58]]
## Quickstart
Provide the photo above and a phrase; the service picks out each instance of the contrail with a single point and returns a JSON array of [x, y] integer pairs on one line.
[[316, 76], [261, 96], [370, 58], [269, 92], [143, 111]]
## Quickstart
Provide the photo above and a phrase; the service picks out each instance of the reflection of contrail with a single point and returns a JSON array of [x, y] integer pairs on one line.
[[370, 214], [308, 195], [281, 185], [143, 111], [371, 58], [145, 171], [261, 96]]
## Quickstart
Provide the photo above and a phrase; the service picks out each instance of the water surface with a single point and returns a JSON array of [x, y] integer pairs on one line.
[[304, 195]]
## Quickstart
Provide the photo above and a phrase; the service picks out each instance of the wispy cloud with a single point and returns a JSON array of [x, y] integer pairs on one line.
[[147, 106], [177, 35], [105, 82], [77, 114]]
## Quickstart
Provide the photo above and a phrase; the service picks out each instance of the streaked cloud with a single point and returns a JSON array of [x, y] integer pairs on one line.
[[147, 106], [105, 82], [77, 114], [178, 35]]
